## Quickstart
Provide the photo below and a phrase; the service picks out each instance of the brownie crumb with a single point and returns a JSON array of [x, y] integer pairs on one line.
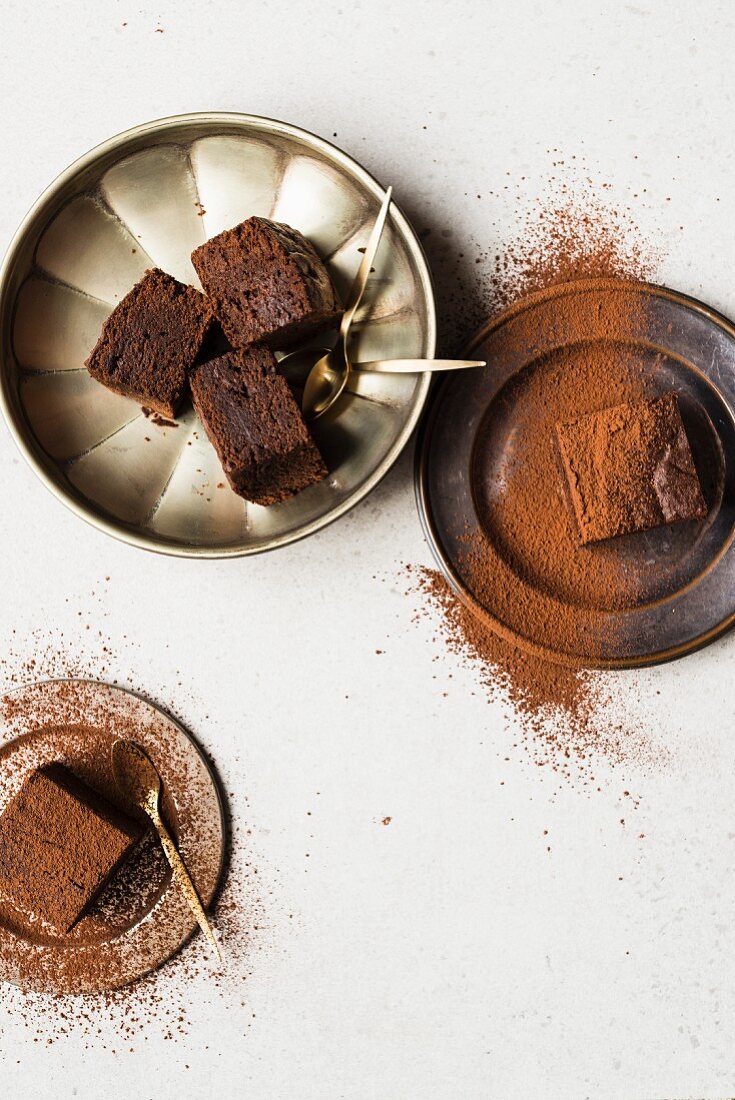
[[157, 419]]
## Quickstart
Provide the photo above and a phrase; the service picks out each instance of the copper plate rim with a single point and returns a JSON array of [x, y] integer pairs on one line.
[[432, 535], [171, 900], [128, 533]]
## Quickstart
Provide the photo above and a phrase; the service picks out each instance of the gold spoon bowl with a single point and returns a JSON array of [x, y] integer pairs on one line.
[[328, 377]]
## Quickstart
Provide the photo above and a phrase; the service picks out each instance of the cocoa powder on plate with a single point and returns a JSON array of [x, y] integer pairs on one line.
[[524, 560], [173, 1001]]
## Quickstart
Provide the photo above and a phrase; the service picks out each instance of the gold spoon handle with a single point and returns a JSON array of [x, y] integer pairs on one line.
[[363, 272], [414, 366], [183, 879]]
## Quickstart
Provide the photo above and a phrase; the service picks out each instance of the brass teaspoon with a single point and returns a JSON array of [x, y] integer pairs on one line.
[[328, 377], [411, 366], [304, 359], [140, 783]]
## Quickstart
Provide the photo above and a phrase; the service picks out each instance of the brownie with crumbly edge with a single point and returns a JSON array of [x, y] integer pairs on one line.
[[255, 425], [267, 284], [60, 844], [630, 468], [150, 341]]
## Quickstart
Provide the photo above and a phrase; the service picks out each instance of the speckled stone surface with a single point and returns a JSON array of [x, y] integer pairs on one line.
[[450, 953]]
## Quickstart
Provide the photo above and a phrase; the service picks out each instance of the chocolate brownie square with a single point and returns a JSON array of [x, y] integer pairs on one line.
[[630, 468], [150, 341], [60, 844], [267, 284], [255, 425]]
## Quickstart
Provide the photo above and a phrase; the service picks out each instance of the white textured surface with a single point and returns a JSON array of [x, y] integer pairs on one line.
[[447, 954]]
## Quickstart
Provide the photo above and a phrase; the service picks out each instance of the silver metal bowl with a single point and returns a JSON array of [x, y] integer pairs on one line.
[[147, 198]]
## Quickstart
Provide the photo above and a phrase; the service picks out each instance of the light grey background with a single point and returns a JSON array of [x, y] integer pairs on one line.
[[447, 954]]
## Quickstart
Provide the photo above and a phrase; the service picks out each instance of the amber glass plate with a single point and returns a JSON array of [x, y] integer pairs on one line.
[[687, 593], [141, 919]]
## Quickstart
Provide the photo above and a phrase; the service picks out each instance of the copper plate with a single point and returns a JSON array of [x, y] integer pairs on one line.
[[128, 932], [689, 596], [147, 198]]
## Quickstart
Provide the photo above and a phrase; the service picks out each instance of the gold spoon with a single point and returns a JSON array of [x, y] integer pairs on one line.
[[328, 377], [411, 366], [140, 783], [296, 362]]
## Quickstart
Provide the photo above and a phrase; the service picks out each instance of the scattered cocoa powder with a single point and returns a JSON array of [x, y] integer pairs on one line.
[[524, 562], [552, 223], [563, 713], [144, 918], [578, 235], [169, 1001]]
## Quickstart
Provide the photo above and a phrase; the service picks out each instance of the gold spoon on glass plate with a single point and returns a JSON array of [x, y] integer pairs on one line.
[[329, 369], [140, 783]]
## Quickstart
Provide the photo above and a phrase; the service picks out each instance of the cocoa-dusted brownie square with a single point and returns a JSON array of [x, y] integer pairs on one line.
[[60, 844], [630, 468], [255, 425], [267, 284], [150, 341]]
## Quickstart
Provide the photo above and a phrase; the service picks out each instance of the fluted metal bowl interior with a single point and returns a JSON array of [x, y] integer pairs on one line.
[[147, 198]]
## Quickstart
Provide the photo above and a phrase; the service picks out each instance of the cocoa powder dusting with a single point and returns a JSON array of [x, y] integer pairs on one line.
[[159, 1004], [524, 562], [575, 236], [630, 468], [562, 713], [59, 845]]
